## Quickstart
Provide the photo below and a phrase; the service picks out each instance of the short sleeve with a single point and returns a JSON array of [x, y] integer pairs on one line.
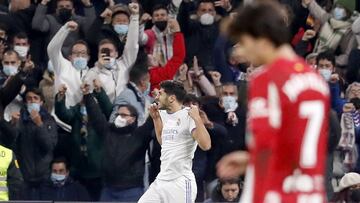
[[192, 125]]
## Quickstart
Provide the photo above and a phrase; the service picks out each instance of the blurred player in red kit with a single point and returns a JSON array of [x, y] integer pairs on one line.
[[287, 118]]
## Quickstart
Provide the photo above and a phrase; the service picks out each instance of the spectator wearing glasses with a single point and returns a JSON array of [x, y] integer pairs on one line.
[[125, 146], [69, 71]]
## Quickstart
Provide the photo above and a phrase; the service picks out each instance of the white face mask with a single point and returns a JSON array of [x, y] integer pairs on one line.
[[120, 122], [21, 50], [326, 74], [339, 13], [229, 103], [207, 19], [111, 64], [10, 70]]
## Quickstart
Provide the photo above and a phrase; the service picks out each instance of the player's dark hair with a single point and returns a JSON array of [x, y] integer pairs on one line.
[[327, 55], [261, 20], [174, 88], [160, 7]]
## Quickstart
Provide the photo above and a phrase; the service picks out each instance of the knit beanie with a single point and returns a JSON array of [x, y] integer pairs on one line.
[[348, 4]]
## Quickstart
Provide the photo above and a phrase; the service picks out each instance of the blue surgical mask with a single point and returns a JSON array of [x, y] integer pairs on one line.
[[33, 106], [80, 63], [229, 103], [326, 74], [147, 91], [111, 64], [339, 13], [121, 29], [57, 178], [83, 110], [10, 70]]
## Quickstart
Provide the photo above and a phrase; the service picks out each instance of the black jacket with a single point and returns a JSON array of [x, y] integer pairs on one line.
[[235, 138], [7, 94], [125, 148], [70, 191], [34, 146], [200, 39]]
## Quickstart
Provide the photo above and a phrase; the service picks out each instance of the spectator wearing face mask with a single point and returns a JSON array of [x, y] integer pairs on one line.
[[51, 23], [112, 23], [35, 142], [159, 39], [112, 70], [227, 112], [85, 145], [11, 65], [21, 44], [71, 70], [136, 94], [60, 186], [325, 65], [201, 32], [159, 73], [348, 190], [335, 32], [125, 147]]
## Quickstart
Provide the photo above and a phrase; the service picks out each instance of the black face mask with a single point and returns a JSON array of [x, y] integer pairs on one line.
[[355, 195], [161, 25], [64, 15]]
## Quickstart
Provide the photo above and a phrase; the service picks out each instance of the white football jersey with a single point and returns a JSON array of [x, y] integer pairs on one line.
[[178, 145]]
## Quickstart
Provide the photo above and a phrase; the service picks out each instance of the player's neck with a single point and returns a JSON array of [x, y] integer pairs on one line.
[[284, 51], [174, 108]]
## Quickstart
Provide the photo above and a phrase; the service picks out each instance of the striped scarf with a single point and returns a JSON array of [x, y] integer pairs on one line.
[[331, 34], [347, 141], [163, 47]]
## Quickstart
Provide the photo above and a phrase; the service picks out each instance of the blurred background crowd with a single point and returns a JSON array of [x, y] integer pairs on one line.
[[77, 77]]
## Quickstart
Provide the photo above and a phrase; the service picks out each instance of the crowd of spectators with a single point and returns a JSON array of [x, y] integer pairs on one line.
[[77, 78]]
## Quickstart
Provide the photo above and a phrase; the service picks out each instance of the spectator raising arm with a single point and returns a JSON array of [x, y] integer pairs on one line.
[[59, 63], [64, 114], [96, 118], [158, 74], [40, 22], [131, 46]]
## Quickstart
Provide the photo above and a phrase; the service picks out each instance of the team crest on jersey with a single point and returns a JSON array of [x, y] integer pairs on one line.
[[298, 67]]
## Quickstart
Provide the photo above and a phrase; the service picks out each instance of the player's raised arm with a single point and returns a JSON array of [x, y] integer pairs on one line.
[[200, 134], [155, 115]]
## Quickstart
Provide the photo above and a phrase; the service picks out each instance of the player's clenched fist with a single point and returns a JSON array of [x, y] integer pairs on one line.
[[154, 111], [194, 112]]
